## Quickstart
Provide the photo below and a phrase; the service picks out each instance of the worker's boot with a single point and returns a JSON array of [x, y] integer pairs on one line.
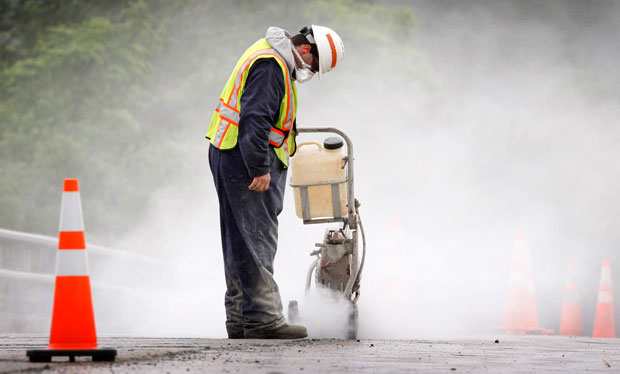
[[285, 331], [234, 330], [235, 334]]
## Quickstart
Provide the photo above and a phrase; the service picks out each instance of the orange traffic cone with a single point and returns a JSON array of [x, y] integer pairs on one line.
[[604, 326], [570, 324], [73, 322], [520, 314]]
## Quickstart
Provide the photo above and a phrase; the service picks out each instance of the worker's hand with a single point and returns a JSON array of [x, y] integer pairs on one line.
[[261, 183]]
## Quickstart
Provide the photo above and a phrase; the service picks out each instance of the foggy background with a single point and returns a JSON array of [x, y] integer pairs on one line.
[[470, 120]]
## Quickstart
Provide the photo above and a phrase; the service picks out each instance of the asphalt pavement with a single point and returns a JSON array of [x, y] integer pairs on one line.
[[165, 355]]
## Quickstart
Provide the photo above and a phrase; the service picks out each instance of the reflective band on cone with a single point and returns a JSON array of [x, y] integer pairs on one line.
[[73, 322], [570, 320], [520, 314], [71, 240], [72, 262], [71, 212], [604, 322], [73, 319]]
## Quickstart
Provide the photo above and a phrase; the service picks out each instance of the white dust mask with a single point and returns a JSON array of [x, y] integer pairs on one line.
[[304, 73]]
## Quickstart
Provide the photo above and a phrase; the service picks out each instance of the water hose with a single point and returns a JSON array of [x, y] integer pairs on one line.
[[359, 271]]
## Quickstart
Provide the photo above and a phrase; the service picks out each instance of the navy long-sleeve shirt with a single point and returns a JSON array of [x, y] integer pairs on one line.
[[260, 109]]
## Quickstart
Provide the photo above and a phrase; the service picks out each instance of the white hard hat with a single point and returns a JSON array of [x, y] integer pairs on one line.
[[330, 46]]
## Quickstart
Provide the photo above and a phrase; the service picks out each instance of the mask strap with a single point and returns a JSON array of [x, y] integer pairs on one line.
[[303, 63]]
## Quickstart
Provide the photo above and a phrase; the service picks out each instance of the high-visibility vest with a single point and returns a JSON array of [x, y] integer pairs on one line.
[[224, 126]]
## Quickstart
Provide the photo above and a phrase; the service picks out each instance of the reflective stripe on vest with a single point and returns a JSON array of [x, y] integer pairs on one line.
[[227, 111], [276, 137]]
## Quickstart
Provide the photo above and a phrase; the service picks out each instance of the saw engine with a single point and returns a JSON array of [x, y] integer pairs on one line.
[[335, 261]]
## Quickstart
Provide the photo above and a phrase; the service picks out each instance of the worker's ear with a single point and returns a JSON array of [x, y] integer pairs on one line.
[[305, 48]]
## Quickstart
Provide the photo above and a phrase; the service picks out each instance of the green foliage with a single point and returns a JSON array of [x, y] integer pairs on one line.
[[64, 111], [118, 93]]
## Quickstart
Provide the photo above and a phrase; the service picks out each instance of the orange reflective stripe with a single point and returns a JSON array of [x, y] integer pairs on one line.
[[224, 135], [276, 137], [333, 47], [71, 240], [233, 90], [286, 82], [241, 74], [228, 113], [228, 106], [70, 185], [226, 118], [288, 95], [247, 64], [217, 131]]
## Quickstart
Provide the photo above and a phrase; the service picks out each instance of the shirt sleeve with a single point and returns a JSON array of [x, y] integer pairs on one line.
[[260, 109]]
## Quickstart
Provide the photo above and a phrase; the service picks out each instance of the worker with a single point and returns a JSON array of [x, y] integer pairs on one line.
[[252, 134]]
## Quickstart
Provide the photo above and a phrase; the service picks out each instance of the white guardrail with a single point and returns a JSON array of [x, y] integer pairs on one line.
[[27, 274]]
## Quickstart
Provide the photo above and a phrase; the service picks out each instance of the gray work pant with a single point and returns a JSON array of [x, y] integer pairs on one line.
[[249, 228]]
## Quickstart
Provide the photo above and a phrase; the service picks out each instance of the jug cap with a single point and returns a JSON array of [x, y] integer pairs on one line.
[[333, 142]]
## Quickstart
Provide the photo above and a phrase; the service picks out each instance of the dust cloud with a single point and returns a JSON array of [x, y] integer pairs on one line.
[[511, 124]]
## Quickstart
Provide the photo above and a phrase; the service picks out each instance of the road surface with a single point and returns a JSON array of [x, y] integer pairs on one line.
[[164, 355]]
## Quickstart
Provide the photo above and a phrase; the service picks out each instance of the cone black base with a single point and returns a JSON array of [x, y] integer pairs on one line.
[[45, 355]]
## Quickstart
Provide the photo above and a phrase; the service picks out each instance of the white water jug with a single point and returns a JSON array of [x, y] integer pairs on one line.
[[315, 164]]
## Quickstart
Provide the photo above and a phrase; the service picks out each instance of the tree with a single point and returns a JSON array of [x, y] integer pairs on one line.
[[119, 93]]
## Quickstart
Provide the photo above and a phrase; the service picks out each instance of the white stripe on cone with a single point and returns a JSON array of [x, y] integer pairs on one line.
[[605, 276], [71, 262], [605, 297], [71, 212]]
